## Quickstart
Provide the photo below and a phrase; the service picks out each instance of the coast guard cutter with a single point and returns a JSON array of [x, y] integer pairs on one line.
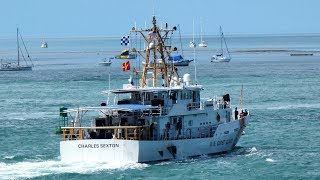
[[160, 118]]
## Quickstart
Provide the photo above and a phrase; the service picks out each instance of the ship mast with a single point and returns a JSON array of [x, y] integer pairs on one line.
[[155, 55]]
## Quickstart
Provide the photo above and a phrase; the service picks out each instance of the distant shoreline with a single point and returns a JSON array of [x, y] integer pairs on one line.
[[189, 36], [199, 51]]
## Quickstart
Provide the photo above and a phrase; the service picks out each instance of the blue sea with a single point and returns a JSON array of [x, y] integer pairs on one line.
[[281, 91]]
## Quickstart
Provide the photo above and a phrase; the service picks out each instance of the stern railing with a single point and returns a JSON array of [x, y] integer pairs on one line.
[[109, 132]]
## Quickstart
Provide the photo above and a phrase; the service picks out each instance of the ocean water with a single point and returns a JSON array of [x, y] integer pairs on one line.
[[281, 92]]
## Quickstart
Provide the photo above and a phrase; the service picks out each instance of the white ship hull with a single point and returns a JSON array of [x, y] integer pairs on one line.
[[115, 150], [15, 68]]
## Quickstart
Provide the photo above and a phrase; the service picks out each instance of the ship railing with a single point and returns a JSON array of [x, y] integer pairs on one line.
[[159, 111], [107, 132]]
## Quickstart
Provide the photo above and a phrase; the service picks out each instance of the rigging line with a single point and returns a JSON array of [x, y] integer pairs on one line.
[[225, 42], [25, 48], [21, 52], [180, 40]]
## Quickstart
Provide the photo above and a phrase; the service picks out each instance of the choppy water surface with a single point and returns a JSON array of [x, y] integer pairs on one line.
[[281, 91]]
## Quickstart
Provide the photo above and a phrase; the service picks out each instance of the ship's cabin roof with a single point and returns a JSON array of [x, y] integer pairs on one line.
[[134, 89]]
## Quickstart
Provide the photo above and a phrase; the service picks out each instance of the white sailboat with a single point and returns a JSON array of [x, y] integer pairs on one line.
[[22, 53], [159, 117], [105, 62], [222, 56], [202, 43], [192, 43], [44, 44]]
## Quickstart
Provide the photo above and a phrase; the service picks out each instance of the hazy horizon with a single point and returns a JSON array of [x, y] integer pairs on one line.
[[99, 18]]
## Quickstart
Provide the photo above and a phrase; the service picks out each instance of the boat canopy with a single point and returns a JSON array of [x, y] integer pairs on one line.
[[151, 89], [175, 58]]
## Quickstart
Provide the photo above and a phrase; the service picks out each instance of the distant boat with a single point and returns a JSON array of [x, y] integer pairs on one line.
[[182, 62], [192, 44], [125, 54], [301, 54], [105, 62], [9, 66], [202, 43], [179, 61], [222, 57], [44, 44]]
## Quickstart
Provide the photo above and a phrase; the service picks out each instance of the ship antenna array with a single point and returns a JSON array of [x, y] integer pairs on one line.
[[155, 55]]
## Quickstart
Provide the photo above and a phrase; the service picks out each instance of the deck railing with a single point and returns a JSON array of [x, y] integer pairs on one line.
[[134, 133], [109, 132]]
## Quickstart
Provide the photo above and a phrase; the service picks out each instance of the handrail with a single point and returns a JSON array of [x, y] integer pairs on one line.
[[119, 132]]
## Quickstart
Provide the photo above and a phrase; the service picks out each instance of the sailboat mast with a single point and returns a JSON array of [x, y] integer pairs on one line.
[[221, 37], [18, 47], [193, 30], [201, 29]]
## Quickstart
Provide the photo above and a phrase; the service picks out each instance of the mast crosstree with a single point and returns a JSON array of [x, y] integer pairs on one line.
[[155, 56]]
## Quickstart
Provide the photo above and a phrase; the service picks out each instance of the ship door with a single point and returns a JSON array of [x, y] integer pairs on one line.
[[177, 122]]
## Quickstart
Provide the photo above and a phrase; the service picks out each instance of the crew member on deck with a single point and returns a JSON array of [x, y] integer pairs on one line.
[[245, 112], [178, 128], [236, 113], [241, 114]]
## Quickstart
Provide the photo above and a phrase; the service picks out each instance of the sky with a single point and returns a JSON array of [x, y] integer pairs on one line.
[[82, 18]]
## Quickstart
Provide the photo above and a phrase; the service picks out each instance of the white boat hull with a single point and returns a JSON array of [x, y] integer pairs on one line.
[[104, 63], [203, 45], [16, 68], [115, 150], [182, 62], [220, 59]]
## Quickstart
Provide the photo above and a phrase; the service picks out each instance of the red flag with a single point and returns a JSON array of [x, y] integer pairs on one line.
[[126, 66]]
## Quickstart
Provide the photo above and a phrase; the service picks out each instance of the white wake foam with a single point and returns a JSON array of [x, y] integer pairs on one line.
[[42, 168], [294, 106], [269, 160]]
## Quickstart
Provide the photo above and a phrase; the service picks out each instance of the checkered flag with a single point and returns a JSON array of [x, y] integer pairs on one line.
[[125, 41]]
